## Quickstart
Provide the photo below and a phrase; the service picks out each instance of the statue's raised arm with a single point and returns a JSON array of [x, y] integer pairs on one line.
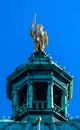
[[33, 27], [39, 36]]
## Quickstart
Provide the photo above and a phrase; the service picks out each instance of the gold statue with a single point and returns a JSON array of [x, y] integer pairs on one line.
[[39, 36]]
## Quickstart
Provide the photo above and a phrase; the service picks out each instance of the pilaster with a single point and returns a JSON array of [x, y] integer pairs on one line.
[[30, 95], [50, 95], [64, 102], [15, 102]]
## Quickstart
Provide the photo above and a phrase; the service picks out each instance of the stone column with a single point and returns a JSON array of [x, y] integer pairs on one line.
[[15, 102], [64, 102], [50, 95], [30, 95]]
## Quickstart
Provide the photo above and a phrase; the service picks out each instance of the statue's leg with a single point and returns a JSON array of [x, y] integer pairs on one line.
[[42, 45], [38, 44], [35, 46]]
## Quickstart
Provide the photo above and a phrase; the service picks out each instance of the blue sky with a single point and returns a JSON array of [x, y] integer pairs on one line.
[[61, 20]]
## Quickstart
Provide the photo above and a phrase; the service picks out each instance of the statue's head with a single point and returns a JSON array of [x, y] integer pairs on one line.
[[40, 27]]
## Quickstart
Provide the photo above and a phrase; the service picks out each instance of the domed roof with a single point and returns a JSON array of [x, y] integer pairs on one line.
[[12, 125]]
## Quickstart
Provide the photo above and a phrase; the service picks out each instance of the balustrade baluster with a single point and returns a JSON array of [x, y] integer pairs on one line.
[[37, 104], [42, 105]]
